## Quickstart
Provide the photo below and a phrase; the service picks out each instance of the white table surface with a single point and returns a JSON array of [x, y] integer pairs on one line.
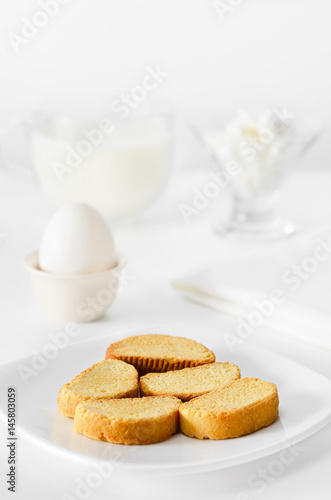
[[159, 247]]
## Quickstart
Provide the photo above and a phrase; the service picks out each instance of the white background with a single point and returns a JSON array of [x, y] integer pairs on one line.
[[262, 54]]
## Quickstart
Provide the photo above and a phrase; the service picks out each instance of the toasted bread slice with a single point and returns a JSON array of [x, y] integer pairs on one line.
[[107, 379], [128, 421], [244, 406], [189, 383], [160, 353]]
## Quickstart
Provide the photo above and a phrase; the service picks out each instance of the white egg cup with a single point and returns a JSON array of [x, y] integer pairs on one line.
[[75, 297]]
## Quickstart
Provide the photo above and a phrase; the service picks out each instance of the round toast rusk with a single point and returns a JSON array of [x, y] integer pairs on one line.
[[189, 383], [128, 421], [159, 353], [107, 379], [244, 406]]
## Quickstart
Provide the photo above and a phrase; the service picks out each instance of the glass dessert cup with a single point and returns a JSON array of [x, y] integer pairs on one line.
[[255, 182], [255, 217]]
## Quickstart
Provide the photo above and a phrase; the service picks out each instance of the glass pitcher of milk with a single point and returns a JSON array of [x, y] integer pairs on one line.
[[118, 166]]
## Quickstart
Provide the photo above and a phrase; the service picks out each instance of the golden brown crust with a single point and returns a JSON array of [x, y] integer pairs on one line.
[[139, 431], [191, 382], [196, 420], [68, 398], [147, 363]]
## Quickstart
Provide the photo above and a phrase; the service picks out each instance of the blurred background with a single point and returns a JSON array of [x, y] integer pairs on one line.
[[160, 74], [255, 55]]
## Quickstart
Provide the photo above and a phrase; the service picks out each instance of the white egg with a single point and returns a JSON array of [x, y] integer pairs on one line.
[[77, 240]]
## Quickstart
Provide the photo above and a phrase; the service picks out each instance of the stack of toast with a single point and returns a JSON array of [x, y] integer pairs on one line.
[[151, 386]]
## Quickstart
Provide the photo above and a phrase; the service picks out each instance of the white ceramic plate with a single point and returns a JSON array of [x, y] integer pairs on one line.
[[305, 407]]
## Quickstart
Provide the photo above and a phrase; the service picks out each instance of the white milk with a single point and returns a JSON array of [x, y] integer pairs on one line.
[[121, 174]]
